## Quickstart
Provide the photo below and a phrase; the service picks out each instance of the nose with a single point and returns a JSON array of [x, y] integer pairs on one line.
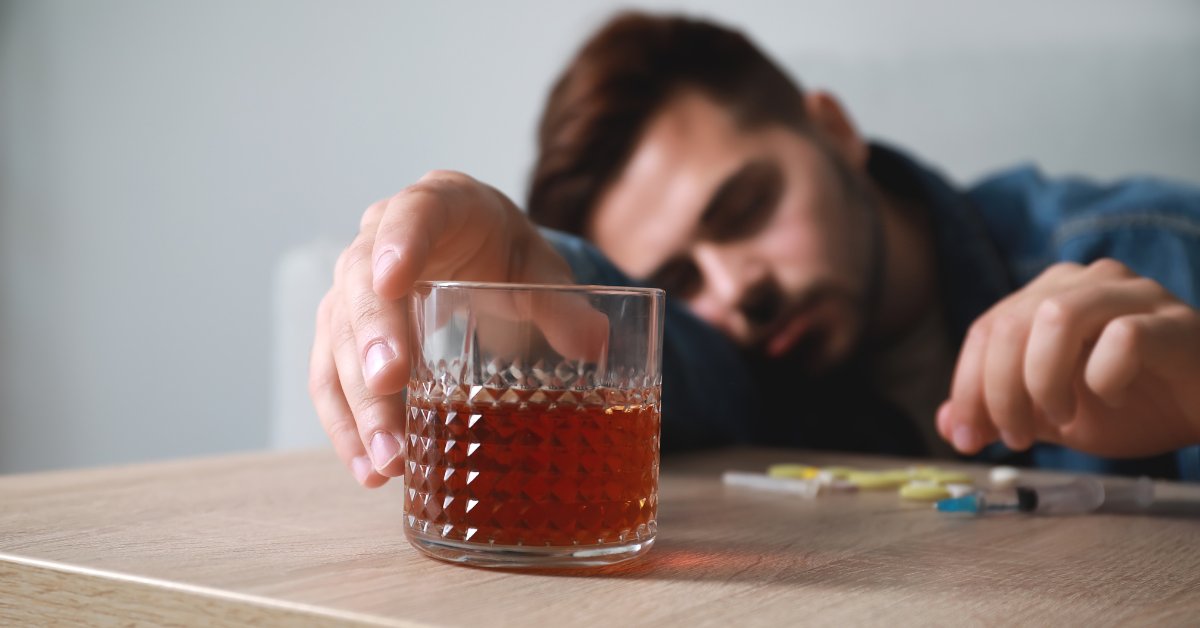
[[727, 273]]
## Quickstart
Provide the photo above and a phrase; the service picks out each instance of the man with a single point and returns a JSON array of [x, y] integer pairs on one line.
[[824, 291]]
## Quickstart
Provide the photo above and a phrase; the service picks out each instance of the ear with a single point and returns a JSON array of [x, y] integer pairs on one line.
[[833, 123]]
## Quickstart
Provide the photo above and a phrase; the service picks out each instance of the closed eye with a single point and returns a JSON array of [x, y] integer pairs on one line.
[[744, 203]]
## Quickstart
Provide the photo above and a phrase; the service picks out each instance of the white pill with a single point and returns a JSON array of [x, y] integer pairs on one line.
[[1004, 477], [958, 490], [763, 482]]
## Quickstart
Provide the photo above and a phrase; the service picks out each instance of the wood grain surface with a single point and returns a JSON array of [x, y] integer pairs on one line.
[[286, 539]]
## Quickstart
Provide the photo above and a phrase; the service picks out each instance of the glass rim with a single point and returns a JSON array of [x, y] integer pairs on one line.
[[543, 287]]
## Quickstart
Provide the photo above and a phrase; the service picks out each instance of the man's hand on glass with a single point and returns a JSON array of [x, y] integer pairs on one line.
[[447, 226]]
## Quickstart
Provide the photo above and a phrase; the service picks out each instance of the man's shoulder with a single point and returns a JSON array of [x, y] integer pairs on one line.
[[1072, 204], [1150, 224]]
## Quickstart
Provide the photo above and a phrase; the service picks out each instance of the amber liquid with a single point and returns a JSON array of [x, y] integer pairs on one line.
[[533, 468]]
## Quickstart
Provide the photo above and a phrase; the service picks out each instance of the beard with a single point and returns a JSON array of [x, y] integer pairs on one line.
[[838, 314]]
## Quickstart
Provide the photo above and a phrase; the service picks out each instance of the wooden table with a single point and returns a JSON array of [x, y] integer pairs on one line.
[[273, 539]]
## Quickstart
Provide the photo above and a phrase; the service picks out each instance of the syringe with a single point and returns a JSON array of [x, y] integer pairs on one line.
[[1081, 495]]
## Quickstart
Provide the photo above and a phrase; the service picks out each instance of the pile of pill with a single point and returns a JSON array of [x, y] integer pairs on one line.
[[918, 483]]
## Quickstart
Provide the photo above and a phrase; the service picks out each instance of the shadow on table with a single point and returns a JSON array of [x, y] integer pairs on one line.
[[1168, 508], [674, 559]]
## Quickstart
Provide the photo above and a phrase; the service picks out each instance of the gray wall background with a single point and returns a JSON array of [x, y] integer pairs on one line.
[[158, 158]]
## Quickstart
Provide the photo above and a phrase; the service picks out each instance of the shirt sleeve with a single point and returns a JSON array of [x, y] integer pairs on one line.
[[707, 389], [1150, 225]]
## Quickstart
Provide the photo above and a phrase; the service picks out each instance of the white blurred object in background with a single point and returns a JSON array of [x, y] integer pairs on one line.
[[302, 276]]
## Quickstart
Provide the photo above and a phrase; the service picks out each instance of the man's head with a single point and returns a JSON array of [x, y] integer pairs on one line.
[[696, 164]]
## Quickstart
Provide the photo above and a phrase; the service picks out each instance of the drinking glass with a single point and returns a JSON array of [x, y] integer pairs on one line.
[[532, 423]]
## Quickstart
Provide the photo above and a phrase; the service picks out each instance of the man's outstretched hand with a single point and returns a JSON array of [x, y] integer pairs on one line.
[[446, 226], [1092, 357]]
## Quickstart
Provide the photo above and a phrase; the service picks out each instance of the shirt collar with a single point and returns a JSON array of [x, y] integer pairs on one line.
[[972, 274]]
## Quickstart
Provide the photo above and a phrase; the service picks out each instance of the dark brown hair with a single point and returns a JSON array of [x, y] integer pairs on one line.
[[619, 79]]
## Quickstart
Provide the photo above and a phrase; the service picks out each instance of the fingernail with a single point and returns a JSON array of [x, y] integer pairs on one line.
[[361, 466], [964, 438], [384, 449], [384, 262], [378, 356]]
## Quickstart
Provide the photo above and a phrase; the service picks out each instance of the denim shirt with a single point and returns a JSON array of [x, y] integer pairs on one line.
[[990, 240]]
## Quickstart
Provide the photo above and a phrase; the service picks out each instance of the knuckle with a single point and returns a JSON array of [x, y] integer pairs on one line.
[[370, 410], [353, 256], [453, 176], [1109, 267], [321, 384], [1056, 311], [1186, 314], [365, 310], [344, 339], [324, 307], [339, 267], [425, 195], [1126, 334], [980, 330], [1007, 326], [1062, 268], [343, 429], [1150, 287], [372, 214]]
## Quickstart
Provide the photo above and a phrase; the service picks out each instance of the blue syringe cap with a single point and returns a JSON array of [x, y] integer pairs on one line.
[[966, 503]]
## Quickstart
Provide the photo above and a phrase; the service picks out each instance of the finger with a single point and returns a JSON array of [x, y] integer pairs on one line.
[[1064, 326], [1108, 268], [447, 212], [1007, 399], [377, 417], [1119, 354], [572, 326], [506, 314], [575, 329], [325, 390], [379, 325], [968, 423], [944, 423]]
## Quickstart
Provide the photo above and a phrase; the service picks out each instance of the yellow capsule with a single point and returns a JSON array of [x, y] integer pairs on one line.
[[900, 476], [951, 477], [840, 473], [801, 471], [924, 491], [873, 481], [922, 472]]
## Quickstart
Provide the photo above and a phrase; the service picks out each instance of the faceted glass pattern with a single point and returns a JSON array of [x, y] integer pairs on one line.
[[532, 423], [532, 467]]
